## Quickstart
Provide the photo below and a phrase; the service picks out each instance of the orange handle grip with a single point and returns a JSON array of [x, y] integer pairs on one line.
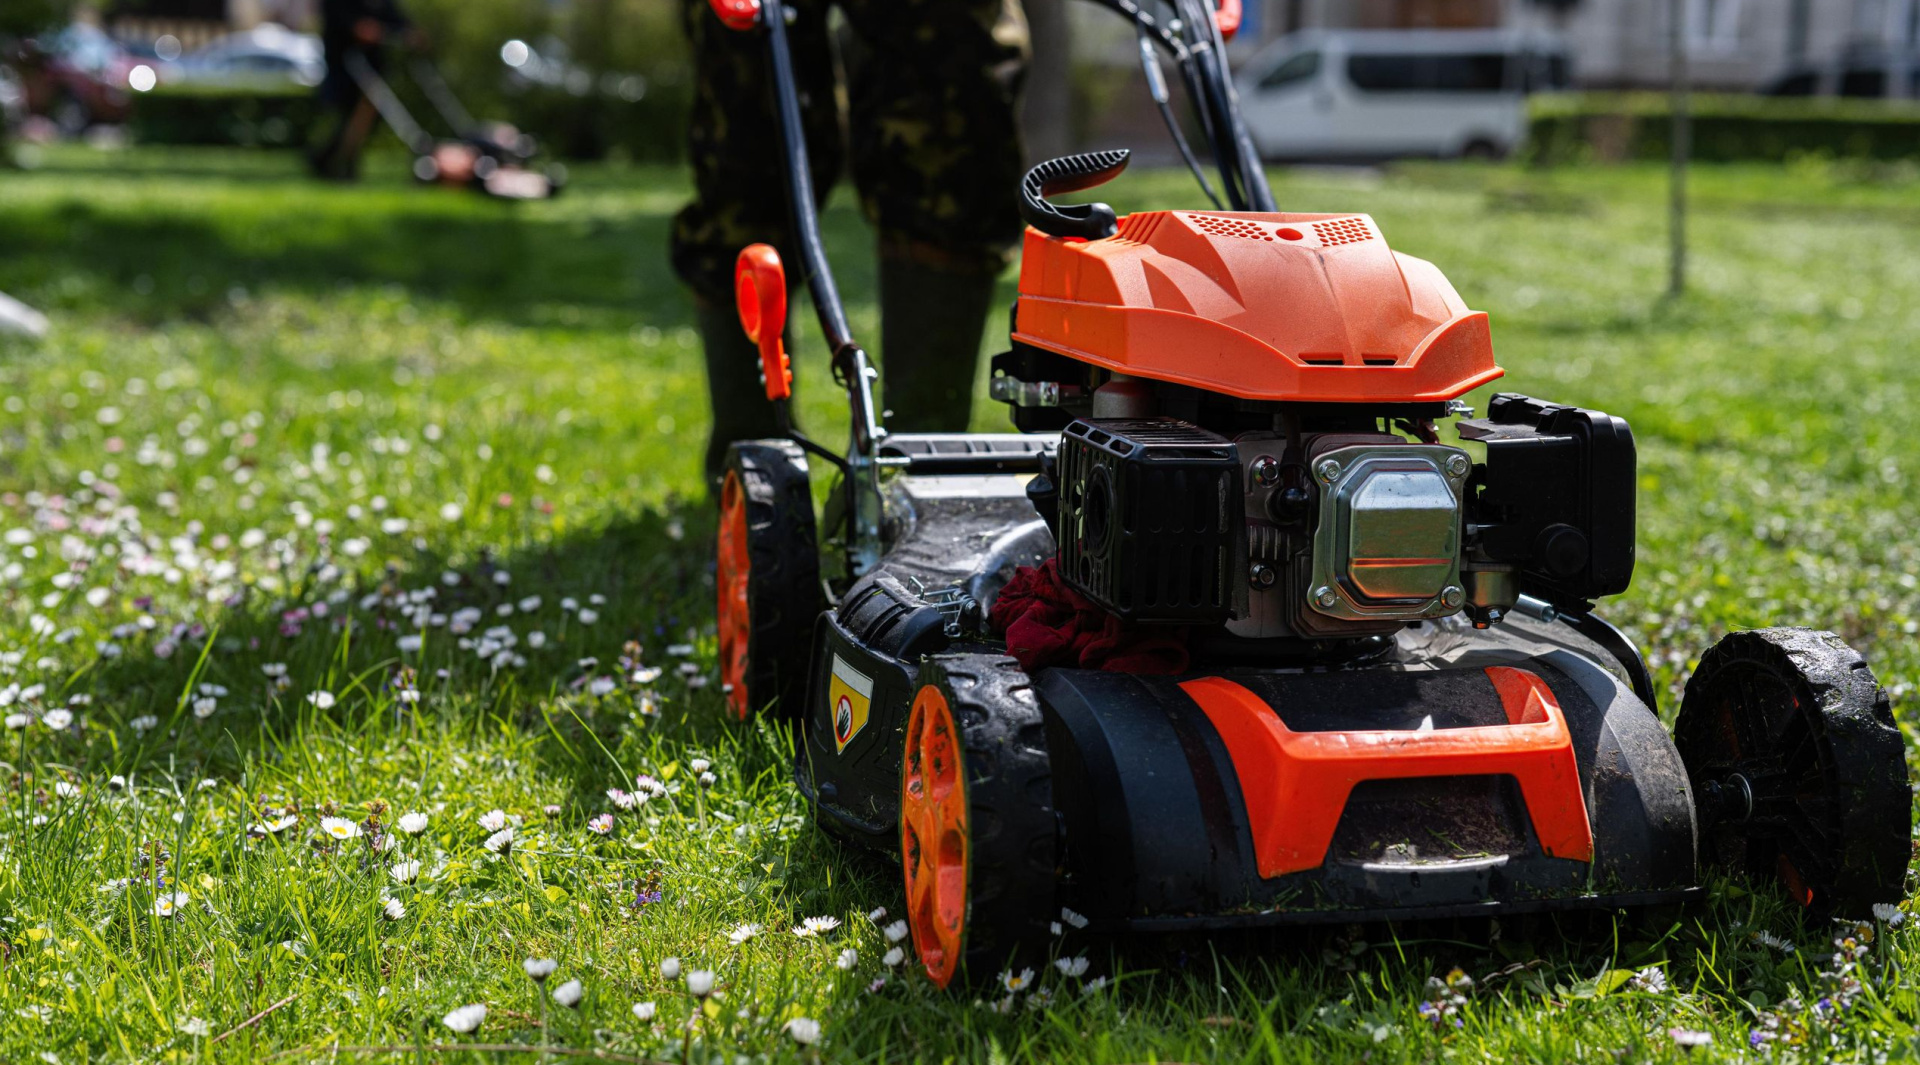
[[1226, 16], [745, 14], [760, 294]]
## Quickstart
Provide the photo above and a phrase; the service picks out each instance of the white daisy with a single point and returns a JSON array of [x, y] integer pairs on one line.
[[275, 826], [392, 910], [895, 932], [500, 842], [1072, 918], [877, 914], [602, 824], [338, 828], [324, 700], [1077, 967], [643, 1010], [893, 957], [466, 1018], [57, 719], [168, 904], [568, 994], [406, 872], [804, 1030], [1019, 981], [493, 820], [816, 926], [743, 933], [670, 968], [700, 983], [848, 959], [1889, 914], [538, 969], [412, 823]]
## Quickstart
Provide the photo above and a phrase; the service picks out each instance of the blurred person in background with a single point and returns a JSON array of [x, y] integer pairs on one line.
[[936, 157], [352, 27]]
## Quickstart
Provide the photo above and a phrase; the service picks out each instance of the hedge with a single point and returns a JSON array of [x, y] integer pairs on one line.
[[1611, 127], [189, 115]]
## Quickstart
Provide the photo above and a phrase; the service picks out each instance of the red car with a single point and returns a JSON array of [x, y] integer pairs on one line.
[[77, 77]]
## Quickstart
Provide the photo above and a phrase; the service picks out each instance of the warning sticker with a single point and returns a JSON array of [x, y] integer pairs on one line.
[[850, 693]]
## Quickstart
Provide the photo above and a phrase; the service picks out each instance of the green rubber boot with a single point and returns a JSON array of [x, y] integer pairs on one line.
[[931, 319]]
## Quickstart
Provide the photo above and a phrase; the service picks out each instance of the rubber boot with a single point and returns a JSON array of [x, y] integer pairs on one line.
[[741, 410], [931, 319]]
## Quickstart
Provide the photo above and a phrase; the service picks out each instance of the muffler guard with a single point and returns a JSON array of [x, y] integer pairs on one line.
[[1575, 798]]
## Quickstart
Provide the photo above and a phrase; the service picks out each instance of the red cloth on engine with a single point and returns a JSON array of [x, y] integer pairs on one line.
[[1047, 623]]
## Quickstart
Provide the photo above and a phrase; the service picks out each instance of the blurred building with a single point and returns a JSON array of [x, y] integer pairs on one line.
[[1735, 45]]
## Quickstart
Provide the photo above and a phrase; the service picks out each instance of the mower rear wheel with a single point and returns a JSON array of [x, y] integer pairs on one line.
[[1798, 769], [977, 827], [768, 575]]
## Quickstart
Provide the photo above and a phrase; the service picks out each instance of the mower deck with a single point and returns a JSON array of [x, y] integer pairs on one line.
[[1167, 816]]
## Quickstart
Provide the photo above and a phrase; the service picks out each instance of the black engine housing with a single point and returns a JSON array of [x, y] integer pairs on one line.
[[1152, 522]]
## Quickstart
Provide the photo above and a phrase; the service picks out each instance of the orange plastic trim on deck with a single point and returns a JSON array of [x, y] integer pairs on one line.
[[1296, 784]]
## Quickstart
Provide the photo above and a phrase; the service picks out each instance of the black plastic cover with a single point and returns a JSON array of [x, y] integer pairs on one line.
[[1152, 519], [1555, 498]]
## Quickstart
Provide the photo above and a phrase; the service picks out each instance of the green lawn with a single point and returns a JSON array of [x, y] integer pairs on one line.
[[281, 432]]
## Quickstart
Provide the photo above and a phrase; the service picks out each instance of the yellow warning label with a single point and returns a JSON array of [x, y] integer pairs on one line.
[[850, 693]]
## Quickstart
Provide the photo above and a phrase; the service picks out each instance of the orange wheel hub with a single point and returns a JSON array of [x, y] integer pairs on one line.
[[736, 625], [933, 835]]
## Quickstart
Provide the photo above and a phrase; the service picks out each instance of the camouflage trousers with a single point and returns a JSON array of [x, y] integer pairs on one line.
[[935, 152]]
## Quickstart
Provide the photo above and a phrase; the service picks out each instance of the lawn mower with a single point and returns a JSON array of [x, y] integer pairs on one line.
[[492, 158], [1251, 623]]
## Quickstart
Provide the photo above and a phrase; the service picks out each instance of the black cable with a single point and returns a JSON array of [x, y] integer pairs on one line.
[[1157, 88]]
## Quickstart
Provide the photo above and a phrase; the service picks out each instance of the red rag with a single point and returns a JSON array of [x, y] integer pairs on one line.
[[1047, 623]]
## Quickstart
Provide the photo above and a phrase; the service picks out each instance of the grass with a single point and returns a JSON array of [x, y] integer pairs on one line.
[[280, 424]]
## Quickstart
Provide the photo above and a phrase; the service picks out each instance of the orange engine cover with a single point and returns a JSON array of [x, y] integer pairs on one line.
[[1307, 307]]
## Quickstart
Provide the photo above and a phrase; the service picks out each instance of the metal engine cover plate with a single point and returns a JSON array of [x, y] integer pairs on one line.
[[1387, 544]]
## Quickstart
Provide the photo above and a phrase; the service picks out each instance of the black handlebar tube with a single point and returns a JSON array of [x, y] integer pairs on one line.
[[806, 219], [1253, 177], [860, 468]]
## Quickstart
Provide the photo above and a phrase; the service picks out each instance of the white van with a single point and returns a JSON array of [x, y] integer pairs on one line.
[[1374, 94]]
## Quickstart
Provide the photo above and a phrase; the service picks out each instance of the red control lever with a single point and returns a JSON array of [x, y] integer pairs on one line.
[[760, 293], [1226, 16], [745, 14]]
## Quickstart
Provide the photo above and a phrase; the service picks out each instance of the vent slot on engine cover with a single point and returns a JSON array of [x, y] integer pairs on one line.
[[1152, 520]]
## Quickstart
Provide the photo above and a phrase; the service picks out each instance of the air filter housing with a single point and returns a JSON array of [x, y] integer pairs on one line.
[[1152, 519]]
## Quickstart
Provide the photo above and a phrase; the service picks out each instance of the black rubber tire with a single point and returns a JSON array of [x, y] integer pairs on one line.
[[1799, 716], [784, 597], [1012, 870]]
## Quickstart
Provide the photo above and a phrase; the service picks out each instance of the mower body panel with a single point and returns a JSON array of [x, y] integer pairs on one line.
[[1155, 824], [1270, 306]]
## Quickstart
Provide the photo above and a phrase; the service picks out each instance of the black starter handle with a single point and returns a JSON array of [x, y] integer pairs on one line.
[[1071, 173]]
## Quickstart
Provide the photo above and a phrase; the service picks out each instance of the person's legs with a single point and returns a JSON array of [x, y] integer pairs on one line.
[[740, 195], [937, 158]]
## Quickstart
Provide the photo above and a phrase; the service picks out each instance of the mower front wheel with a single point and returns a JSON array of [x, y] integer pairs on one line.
[[768, 575], [977, 825], [1797, 768]]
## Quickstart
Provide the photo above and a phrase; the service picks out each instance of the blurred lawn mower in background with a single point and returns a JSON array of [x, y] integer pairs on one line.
[[1252, 623], [489, 157]]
